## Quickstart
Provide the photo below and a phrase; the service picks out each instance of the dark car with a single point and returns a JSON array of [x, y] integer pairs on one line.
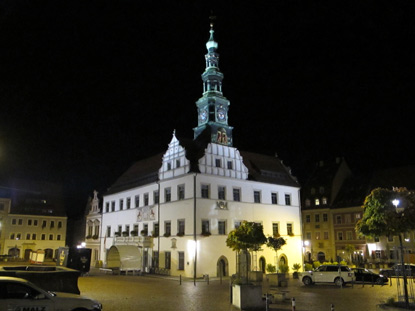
[[396, 270], [367, 276]]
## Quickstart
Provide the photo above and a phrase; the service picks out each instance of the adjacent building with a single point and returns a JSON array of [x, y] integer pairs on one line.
[[172, 212], [32, 219]]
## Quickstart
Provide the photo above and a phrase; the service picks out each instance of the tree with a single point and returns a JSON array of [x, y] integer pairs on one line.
[[249, 236], [389, 212], [276, 244]]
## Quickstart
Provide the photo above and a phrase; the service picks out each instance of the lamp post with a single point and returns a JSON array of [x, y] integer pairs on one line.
[[399, 210]]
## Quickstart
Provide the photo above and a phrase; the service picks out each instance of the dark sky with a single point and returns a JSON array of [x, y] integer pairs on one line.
[[89, 87]]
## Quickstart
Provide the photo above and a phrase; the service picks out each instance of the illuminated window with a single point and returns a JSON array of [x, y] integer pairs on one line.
[[317, 235], [317, 202], [324, 201]]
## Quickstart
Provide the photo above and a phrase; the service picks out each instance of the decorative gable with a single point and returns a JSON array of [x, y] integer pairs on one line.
[[95, 204], [174, 161], [223, 161]]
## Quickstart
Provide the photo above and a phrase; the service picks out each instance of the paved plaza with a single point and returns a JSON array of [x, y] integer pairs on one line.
[[128, 292]]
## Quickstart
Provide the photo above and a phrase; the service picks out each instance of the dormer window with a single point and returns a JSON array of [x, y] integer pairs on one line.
[[324, 201], [317, 202]]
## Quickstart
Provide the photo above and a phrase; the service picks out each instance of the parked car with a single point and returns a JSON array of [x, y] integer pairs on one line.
[[336, 274], [396, 270], [20, 294], [367, 276]]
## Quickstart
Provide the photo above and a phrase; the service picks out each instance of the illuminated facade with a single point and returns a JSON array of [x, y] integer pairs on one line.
[[179, 206]]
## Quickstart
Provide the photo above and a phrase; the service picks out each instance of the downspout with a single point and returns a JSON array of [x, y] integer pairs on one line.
[[194, 228], [158, 220]]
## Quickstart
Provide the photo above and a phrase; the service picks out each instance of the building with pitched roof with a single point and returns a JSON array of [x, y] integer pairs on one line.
[[174, 210]]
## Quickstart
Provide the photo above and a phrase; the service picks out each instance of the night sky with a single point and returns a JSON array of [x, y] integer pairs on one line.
[[89, 87]]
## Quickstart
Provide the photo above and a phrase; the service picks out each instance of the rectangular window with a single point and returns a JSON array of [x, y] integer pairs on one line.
[[317, 217], [308, 236], [107, 207], [52, 224], [180, 227], [178, 163], [137, 201], [14, 221], [221, 193], [167, 260], [390, 238], [20, 222], [275, 229], [119, 230], [128, 203], [290, 229], [44, 224], [156, 229], [121, 204], [205, 191], [43, 238], [338, 219], [58, 237], [27, 236], [325, 217], [222, 227], [169, 166], [145, 199], [59, 224], [35, 222], [317, 235], [108, 231], [167, 194], [50, 237], [29, 222], [357, 216], [340, 236], [12, 236], [230, 165], [18, 236], [205, 227], [181, 261], [287, 199], [156, 197], [326, 235], [257, 196], [349, 235], [180, 192], [33, 236], [274, 198], [307, 218], [167, 228], [113, 206], [237, 194], [217, 163]]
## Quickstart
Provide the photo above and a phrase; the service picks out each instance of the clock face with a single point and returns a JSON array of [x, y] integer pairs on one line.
[[221, 114], [203, 115]]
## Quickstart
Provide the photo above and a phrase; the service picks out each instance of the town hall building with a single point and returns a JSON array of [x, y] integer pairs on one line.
[[171, 213]]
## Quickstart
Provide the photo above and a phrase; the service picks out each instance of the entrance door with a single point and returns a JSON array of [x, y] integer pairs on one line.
[[262, 264]]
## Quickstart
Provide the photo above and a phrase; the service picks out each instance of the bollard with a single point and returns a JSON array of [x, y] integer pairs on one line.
[[332, 307], [293, 304]]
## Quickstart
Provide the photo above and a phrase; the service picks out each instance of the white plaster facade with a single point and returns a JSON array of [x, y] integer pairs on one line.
[[218, 210]]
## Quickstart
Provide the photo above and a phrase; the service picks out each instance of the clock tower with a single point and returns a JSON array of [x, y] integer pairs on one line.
[[213, 107]]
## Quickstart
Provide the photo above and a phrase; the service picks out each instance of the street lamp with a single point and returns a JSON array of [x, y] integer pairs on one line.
[[399, 210]]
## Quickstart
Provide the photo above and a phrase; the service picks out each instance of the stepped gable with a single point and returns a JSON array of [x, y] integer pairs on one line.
[[267, 169], [140, 173]]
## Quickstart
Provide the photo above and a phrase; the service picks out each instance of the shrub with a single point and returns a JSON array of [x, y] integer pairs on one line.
[[316, 264], [308, 267], [271, 268], [296, 267], [283, 268]]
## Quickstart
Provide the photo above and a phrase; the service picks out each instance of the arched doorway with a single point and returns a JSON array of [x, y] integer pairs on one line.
[[262, 264], [222, 267], [48, 254], [15, 252], [283, 261]]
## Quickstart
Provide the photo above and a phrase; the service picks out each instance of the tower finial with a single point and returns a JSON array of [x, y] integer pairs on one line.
[[212, 19]]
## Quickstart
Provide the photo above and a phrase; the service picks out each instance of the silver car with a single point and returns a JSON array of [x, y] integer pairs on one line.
[[19, 294]]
